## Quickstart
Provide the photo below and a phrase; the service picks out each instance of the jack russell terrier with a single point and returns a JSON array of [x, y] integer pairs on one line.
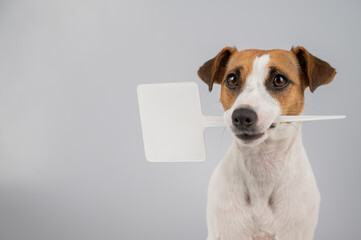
[[264, 188]]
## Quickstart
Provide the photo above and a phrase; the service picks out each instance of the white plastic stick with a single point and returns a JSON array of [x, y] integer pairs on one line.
[[218, 121], [213, 121], [309, 118]]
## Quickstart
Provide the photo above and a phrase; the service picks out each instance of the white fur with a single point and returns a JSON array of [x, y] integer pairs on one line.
[[275, 167], [256, 97]]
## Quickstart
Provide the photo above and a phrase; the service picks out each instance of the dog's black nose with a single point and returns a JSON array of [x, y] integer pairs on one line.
[[244, 118]]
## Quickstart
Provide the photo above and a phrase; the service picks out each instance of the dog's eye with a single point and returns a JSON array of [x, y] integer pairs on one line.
[[280, 81], [232, 80]]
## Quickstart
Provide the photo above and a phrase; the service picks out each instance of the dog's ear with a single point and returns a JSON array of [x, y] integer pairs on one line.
[[214, 69], [316, 72]]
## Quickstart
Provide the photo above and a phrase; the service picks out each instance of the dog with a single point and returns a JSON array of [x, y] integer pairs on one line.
[[264, 188]]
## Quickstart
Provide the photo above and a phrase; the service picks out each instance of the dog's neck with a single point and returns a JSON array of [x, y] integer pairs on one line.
[[267, 166]]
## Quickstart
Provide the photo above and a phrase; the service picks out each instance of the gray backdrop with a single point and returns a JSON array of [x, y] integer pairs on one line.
[[72, 164]]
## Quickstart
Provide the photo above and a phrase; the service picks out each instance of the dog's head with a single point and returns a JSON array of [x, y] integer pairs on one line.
[[260, 85]]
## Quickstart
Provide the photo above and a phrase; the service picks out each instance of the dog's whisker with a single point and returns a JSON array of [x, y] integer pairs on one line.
[[222, 135]]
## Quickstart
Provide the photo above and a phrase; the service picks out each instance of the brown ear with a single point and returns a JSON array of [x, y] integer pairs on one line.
[[214, 69], [315, 71]]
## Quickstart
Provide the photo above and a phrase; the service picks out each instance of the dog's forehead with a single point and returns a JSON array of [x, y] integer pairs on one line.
[[282, 59]]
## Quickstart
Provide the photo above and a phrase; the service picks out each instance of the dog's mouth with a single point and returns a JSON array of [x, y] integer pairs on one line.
[[249, 137]]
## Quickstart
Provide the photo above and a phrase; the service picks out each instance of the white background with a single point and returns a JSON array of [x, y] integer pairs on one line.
[[72, 164]]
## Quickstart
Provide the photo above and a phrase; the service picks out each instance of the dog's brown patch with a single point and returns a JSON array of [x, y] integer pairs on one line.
[[243, 59], [291, 99]]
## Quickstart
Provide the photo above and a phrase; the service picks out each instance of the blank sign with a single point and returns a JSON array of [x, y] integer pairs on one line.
[[172, 122]]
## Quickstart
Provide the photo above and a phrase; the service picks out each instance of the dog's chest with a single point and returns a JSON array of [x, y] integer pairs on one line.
[[239, 209], [259, 214], [238, 215]]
